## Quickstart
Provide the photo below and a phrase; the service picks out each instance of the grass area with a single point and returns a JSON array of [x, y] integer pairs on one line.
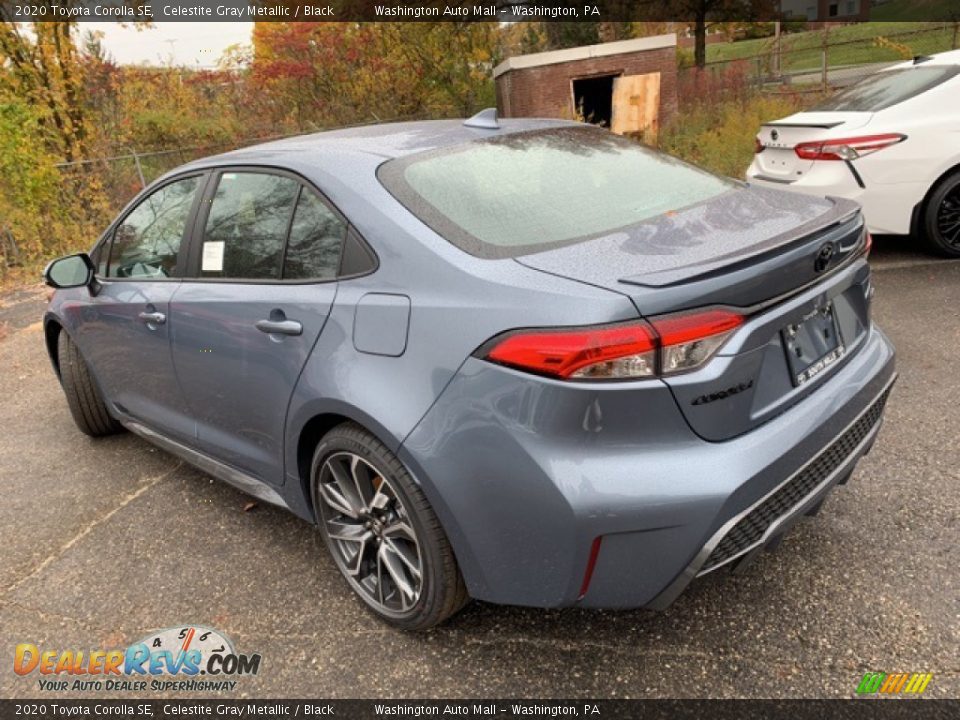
[[849, 44], [901, 9], [720, 136]]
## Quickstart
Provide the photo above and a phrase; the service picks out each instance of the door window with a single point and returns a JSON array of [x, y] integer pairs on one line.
[[247, 226], [316, 240], [146, 244]]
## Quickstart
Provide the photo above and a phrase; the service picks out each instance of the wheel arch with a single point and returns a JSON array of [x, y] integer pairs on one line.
[[920, 209], [51, 337], [322, 420], [318, 422]]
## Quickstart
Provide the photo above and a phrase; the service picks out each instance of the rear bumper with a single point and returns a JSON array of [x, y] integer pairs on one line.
[[764, 523], [526, 473], [887, 207]]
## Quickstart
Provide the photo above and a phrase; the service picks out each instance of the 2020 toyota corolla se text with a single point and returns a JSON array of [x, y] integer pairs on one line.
[[525, 361]]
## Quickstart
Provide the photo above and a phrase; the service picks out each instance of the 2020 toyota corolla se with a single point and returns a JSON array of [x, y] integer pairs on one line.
[[528, 362]]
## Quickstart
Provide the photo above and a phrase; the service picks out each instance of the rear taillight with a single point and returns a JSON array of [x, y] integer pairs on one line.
[[688, 341], [639, 349], [757, 145], [846, 148], [617, 351]]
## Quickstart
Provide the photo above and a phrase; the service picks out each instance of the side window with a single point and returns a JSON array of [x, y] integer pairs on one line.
[[146, 243], [316, 240], [247, 226]]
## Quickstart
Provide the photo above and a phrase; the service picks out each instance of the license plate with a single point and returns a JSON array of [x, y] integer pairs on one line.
[[813, 344]]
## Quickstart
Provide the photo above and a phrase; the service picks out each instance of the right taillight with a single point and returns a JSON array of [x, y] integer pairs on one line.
[[846, 148], [688, 340], [757, 146], [639, 349]]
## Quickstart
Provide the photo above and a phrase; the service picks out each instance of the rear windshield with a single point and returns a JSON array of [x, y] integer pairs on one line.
[[520, 193], [885, 89]]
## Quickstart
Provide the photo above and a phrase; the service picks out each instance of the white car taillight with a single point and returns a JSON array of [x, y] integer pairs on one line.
[[846, 148]]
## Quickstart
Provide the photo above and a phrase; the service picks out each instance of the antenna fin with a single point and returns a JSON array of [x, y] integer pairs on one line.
[[485, 120]]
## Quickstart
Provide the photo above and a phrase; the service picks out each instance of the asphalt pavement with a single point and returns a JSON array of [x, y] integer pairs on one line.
[[107, 540]]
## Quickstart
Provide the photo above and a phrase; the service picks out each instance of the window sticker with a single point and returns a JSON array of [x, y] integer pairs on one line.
[[212, 256]]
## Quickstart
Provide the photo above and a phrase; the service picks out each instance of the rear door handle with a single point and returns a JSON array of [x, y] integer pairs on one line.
[[280, 327], [153, 318]]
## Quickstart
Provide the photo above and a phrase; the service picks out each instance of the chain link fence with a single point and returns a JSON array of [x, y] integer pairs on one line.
[[122, 176]]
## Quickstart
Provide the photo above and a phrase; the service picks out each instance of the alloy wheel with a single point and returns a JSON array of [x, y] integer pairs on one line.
[[948, 218], [370, 533]]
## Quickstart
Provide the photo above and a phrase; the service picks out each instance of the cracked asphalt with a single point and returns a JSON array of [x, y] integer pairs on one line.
[[107, 540]]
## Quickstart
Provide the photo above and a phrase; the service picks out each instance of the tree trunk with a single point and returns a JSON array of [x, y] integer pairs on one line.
[[700, 39]]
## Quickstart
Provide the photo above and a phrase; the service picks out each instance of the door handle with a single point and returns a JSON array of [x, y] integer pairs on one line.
[[280, 327], [153, 318]]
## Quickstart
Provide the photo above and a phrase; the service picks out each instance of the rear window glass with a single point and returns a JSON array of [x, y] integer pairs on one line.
[[525, 192], [886, 89]]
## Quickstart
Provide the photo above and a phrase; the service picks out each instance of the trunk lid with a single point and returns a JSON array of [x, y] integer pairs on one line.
[[758, 250], [739, 248], [779, 162]]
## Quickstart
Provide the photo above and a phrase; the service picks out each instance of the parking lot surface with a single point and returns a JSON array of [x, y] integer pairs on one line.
[[105, 541]]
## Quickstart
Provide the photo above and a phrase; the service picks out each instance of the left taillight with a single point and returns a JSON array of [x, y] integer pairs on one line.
[[638, 349], [846, 148]]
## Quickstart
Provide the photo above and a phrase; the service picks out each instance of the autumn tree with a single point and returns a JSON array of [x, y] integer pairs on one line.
[[44, 67], [318, 74]]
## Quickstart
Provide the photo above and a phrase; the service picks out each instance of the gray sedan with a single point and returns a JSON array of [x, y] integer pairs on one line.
[[524, 361]]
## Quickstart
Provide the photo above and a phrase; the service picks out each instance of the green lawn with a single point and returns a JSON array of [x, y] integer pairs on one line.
[[802, 51], [898, 9]]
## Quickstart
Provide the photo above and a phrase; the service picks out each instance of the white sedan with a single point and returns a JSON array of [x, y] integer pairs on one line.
[[891, 142]]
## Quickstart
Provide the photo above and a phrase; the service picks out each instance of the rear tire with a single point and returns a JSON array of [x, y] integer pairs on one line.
[[941, 217], [382, 533], [83, 397]]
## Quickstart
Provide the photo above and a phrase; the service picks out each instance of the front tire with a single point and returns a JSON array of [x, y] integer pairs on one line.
[[382, 533], [83, 397], [941, 218]]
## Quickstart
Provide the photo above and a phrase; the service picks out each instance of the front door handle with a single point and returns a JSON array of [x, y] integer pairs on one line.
[[153, 318], [280, 327]]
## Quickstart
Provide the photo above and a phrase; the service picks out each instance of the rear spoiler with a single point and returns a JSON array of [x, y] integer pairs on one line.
[[825, 126]]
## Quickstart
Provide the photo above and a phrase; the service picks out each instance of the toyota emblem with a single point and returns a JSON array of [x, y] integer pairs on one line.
[[824, 255], [774, 135]]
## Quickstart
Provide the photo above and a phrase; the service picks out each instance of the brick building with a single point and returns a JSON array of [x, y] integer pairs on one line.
[[819, 12], [617, 84]]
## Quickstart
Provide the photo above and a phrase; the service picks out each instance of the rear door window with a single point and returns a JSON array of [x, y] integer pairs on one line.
[[886, 89], [316, 240], [247, 226], [268, 226]]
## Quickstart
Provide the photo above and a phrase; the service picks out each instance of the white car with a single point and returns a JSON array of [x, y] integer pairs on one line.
[[891, 142]]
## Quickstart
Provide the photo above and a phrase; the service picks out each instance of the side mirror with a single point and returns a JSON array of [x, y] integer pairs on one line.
[[70, 272]]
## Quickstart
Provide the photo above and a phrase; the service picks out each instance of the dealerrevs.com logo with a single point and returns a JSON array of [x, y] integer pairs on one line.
[[185, 658]]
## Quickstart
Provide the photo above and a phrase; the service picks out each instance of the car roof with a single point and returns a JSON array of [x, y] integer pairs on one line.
[[376, 142], [951, 57]]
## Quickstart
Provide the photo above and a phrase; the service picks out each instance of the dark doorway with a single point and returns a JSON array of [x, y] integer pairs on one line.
[[593, 98]]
